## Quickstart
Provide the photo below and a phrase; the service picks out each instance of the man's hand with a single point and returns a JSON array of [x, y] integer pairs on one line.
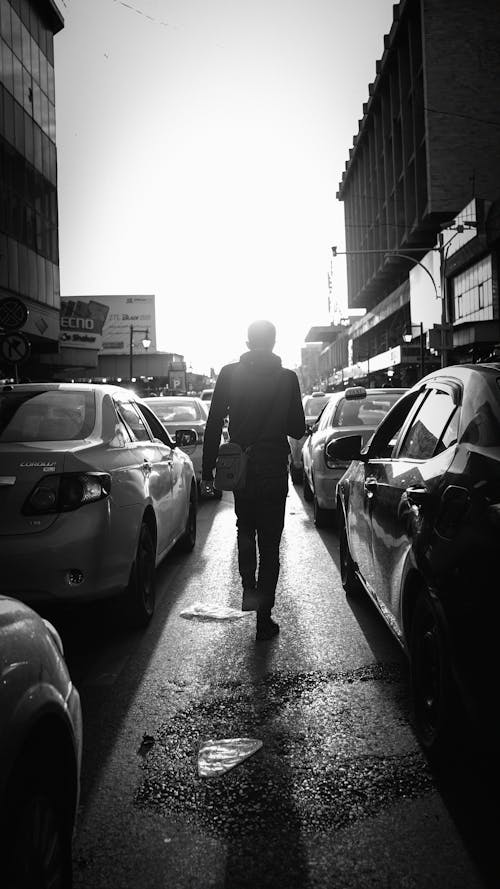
[[207, 488]]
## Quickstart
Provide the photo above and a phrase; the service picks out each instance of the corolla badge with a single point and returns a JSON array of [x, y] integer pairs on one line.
[[44, 465]]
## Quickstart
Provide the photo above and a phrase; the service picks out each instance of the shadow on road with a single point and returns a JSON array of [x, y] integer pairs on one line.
[[97, 647]]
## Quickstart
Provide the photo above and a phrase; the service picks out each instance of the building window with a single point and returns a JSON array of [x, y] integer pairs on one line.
[[473, 292]]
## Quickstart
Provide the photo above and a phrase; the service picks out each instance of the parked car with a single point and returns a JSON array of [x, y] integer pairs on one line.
[[419, 531], [177, 412], [313, 405], [181, 411], [206, 395], [356, 408], [94, 493], [40, 751]]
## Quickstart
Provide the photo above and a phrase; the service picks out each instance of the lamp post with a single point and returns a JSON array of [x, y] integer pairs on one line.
[[408, 336], [146, 342]]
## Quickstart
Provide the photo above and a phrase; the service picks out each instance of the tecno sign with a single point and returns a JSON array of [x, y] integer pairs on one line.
[[69, 323]]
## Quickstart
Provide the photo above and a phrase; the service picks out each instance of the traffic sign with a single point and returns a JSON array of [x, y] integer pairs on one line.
[[13, 313], [15, 348]]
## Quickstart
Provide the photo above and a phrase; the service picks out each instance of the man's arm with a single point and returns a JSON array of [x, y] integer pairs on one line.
[[296, 421], [218, 411]]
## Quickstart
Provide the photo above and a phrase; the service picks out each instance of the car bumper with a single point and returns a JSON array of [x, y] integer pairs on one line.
[[43, 566]]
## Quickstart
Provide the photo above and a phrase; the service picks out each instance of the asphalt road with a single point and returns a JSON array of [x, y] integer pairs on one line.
[[339, 795]]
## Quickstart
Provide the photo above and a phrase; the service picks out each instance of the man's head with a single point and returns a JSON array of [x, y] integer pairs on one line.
[[261, 335]]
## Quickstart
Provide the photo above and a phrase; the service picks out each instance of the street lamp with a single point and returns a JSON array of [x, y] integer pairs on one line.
[[408, 336], [146, 342]]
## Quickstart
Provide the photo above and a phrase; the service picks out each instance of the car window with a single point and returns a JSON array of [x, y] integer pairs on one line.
[[325, 417], [428, 426], [385, 438], [51, 415], [129, 414], [347, 413], [177, 411], [314, 405], [153, 422]]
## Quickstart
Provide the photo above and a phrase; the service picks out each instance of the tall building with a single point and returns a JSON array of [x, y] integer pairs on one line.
[[427, 146], [29, 252]]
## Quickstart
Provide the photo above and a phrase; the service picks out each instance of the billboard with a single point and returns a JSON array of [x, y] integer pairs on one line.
[[103, 323]]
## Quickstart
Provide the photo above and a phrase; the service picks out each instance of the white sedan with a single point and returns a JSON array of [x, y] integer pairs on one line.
[[93, 494], [355, 409]]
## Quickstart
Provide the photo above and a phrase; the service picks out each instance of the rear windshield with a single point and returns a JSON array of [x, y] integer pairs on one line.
[[176, 411], [52, 415], [365, 411], [314, 406]]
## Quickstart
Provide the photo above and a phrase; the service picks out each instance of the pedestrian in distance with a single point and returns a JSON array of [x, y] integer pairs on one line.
[[263, 402]]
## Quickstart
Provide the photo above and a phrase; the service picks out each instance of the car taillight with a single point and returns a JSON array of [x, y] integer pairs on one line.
[[66, 492]]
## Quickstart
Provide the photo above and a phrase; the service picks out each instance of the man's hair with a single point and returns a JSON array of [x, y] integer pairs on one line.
[[261, 335]]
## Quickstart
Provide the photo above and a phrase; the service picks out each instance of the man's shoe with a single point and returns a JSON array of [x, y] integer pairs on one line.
[[266, 629], [251, 599]]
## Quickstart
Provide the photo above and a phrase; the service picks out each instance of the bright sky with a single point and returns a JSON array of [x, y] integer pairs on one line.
[[200, 147]]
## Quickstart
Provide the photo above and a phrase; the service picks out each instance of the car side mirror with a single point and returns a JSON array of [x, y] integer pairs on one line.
[[345, 449], [185, 438]]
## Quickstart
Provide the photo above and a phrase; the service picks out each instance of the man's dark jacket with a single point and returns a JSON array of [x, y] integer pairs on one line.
[[263, 402]]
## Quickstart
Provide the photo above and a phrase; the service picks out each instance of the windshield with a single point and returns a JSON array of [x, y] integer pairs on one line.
[[177, 410], [51, 415], [368, 411], [313, 406]]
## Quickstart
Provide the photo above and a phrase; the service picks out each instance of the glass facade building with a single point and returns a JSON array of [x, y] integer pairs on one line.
[[29, 258]]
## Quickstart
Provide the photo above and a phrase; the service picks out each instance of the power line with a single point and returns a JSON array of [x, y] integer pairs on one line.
[[150, 18]]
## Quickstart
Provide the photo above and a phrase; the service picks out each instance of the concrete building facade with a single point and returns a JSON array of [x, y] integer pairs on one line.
[[427, 145]]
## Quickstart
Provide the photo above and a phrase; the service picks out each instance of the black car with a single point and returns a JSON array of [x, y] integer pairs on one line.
[[419, 511]]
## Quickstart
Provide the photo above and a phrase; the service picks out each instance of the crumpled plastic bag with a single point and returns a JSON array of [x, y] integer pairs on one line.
[[217, 757], [202, 611]]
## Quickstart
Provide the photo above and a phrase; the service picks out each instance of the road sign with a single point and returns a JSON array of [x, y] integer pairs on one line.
[[15, 348], [13, 313]]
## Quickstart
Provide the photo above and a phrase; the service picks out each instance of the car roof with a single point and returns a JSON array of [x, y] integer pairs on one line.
[[72, 387], [460, 373]]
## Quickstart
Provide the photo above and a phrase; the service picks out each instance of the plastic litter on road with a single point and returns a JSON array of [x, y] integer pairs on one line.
[[202, 611], [217, 757]]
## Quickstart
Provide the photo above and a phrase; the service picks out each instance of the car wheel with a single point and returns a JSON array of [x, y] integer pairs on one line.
[[350, 582], [296, 474], [188, 539], [323, 518], [434, 697], [141, 593], [307, 491], [37, 850]]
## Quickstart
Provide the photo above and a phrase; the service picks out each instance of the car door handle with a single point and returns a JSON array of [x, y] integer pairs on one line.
[[416, 496], [371, 485]]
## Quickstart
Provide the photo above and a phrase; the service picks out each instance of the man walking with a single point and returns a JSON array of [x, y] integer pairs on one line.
[[264, 406]]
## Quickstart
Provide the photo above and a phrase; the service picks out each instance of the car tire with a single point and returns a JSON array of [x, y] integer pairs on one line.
[[296, 474], [307, 490], [141, 591], [37, 849], [433, 693], [350, 582], [188, 539], [323, 518]]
